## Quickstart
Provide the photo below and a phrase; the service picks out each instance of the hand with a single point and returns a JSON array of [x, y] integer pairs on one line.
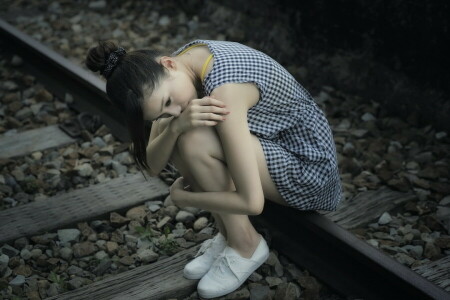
[[175, 188], [206, 111]]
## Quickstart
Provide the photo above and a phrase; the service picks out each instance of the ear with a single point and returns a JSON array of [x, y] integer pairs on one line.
[[168, 62]]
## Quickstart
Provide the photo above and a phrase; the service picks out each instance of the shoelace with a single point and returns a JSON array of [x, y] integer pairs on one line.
[[206, 244], [223, 261]]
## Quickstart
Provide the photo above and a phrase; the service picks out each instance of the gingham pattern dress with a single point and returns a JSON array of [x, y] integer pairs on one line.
[[295, 135]]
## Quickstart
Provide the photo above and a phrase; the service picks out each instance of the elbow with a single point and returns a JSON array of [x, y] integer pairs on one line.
[[256, 206]]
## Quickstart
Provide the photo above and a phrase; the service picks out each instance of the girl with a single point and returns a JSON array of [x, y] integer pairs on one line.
[[238, 127]]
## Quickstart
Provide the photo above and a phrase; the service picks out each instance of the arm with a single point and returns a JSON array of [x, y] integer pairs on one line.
[[240, 156], [199, 112], [160, 145]]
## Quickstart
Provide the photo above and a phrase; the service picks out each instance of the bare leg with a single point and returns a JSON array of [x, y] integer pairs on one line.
[[188, 179], [211, 174]]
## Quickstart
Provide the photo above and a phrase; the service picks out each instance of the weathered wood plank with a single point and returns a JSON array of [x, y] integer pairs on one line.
[[78, 205], [437, 272], [366, 207], [160, 280], [29, 141]]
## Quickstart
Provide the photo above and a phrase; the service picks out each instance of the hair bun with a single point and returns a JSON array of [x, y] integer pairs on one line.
[[97, 56]]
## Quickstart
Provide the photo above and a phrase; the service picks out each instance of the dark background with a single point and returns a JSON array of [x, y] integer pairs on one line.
[[394, 52]]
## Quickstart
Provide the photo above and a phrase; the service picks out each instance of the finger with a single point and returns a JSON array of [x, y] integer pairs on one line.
[[212, 101], [213, 109], [206, 123], [208, 116]]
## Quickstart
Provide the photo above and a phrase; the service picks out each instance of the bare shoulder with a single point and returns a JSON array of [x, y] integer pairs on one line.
[[247, 92]]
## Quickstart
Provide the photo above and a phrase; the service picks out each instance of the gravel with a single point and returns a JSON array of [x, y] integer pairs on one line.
[[374, 150]]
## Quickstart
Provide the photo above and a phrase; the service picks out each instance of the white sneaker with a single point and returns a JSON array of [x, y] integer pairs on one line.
[[210, 249], [230, 270]]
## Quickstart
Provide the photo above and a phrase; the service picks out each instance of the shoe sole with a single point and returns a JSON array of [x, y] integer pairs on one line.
[[209, 296]]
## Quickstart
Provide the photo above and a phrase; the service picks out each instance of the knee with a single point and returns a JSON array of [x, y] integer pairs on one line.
[[195, 144]]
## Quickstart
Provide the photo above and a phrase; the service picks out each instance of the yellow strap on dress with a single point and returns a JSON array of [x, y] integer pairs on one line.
[[205, 65]]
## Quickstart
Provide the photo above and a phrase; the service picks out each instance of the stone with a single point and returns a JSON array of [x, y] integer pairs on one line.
[[385, 218], [24, 270], [273, 281], [83, 249], [111, 247], [66, 253], [184, 216], [101, 255], [68, 235], [117, 219], [148, 256], [260, 292], [25, 254], [75, 283], [19, 280], [200, 223], [8, 250], [127, 260], [84, 170], [163, 222], [137, 214], [118, 167], [289, 291]]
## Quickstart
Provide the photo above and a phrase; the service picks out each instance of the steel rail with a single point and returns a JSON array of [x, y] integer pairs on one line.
[[347, 264], [61, 75]]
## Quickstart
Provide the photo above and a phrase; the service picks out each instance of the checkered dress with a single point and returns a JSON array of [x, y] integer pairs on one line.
[[294, 133]]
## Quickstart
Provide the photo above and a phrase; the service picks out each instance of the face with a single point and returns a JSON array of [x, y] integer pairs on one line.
[[171, 96]]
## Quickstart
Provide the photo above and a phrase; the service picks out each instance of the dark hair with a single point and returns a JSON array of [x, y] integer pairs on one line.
[[135, 71]]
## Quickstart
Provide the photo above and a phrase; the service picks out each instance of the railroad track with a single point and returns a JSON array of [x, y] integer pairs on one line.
[[319, 241]]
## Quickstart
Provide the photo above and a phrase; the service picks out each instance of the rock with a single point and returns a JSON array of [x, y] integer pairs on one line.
[[102, 267], [74, 270], [368, 117], [404, 259], [184, 216], [431, 251], [124, 158], [75, 283], [273, 281], [97, 4], [137, 214], [385, 218], [311, 286], [148, 256], [84, 170], [193, 210], [200, 223], [440, 135], [19, 280], [111, 247], [260, 292], [127, 260], [8, 250], [66, 253], [24, 270], [83, 249], [118, 167], [25, 254], [117, 219], [163, 222], [242, 294], [68, 235], [290, 291], [101, 255]]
